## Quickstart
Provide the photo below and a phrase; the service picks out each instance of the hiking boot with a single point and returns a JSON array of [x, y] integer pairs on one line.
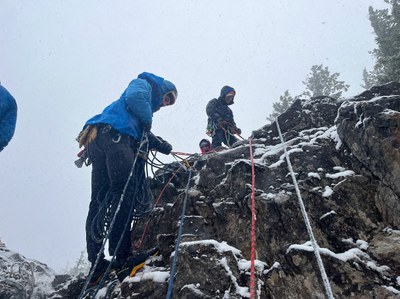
[[134, 263], [98, 273]]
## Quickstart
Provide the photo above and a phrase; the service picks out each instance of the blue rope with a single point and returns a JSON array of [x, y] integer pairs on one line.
[[178, 240]]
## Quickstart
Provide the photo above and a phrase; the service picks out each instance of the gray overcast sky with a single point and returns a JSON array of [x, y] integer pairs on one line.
[[64, 61]]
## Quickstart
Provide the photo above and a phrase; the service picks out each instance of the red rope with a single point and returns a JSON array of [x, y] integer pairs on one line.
[[182, 154], [140, 243], [253, 225]]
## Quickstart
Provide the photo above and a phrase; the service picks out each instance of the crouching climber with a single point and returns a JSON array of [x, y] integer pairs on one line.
[[221, 125], [116, 143], [205, 146]]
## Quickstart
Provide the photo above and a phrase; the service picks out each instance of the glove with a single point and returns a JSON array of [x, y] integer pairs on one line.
[[159, 144], [237, 131], [164, 148]]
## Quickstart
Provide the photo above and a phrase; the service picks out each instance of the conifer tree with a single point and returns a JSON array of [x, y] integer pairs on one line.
[[386, 25], [280, 106], [369, 78], [320, 82], [82, 265]]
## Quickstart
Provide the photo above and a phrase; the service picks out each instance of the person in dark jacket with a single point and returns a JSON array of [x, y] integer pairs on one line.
[[116, 143], [221, 125], [8, 117]]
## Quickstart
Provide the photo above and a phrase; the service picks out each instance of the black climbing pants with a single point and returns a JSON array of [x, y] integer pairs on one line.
[[112, 156]]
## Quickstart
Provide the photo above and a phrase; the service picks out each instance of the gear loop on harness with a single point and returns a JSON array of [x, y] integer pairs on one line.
[[117, 138]]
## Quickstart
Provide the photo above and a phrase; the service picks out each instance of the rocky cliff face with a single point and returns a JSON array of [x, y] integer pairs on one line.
[[345, 156], [346, 159], [23, 278]]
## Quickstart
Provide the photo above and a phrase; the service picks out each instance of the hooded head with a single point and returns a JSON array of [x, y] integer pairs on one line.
[[228, 93], [205, 146], [169, 93], [167, 86], [160, 88]]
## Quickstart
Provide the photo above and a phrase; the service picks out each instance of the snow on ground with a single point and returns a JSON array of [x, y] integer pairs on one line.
[[362, 244], [328, 191], [194, 289], [327, 214], [242, 291], [341, 174], [219, 246], [313, 175], [392, 289], [26, 272], [351, 254]]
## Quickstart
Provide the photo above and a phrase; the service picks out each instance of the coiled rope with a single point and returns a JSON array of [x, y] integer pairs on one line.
[[140, 243], [325, 279]]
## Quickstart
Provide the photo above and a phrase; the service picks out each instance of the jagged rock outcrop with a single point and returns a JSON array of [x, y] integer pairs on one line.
[[345, 156], [23, 278]]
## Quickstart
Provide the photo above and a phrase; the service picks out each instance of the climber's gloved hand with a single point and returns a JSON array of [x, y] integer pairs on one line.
[[237, 131], [164, 148]]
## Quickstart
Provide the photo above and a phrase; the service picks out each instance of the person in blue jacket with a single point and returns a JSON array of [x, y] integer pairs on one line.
[[8, 117], [112, 139]]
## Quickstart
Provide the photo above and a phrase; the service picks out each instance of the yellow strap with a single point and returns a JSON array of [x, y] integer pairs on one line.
[[136, 268], [87, 136], [140, 266]]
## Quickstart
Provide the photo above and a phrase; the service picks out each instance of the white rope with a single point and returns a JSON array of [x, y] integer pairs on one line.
[[325, 279]]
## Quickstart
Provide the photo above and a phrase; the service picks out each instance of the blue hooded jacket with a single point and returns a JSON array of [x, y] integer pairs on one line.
[[134, 109], [8, 117]]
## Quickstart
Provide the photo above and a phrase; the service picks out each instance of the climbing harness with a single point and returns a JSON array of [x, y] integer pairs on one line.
[[211, 127], [178, 240], [253, 224], [306, 220], [228, 133], [82, 294]]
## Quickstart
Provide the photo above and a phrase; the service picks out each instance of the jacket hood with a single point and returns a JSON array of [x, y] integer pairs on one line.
[[227, 89], [156, 84], [159, 87]]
